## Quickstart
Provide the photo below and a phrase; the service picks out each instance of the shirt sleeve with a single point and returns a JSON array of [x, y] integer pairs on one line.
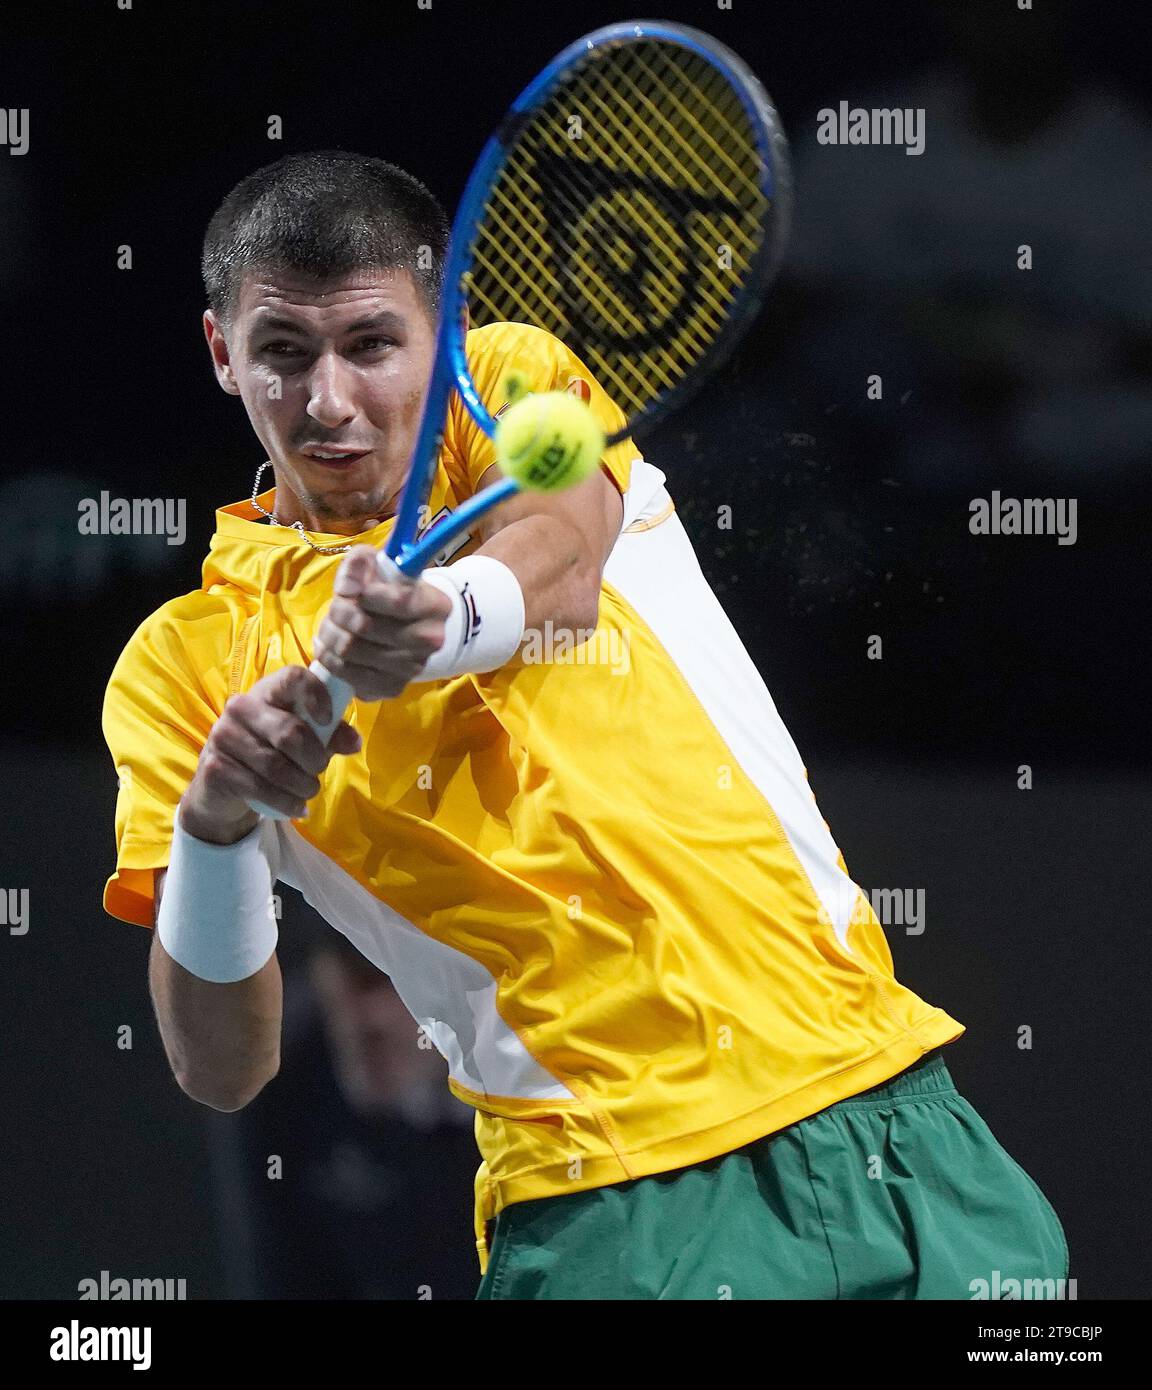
[[494, 353], [166, 691]]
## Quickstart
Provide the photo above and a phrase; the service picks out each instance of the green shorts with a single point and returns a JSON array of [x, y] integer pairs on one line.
[[899, 1192]]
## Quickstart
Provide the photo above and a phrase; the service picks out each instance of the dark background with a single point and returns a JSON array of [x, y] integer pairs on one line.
[[850, 519]]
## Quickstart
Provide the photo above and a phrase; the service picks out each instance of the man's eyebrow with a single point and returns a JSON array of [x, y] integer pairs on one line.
[[386, 318]]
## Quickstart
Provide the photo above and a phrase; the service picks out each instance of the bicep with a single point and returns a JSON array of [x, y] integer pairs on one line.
[[157, 891]]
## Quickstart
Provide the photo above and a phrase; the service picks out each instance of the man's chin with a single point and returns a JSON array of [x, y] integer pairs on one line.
[[349, 512], [351, 521]]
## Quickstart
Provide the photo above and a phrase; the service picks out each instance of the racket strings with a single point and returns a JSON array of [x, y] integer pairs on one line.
[[710, 104], [637, 148], [706, 111], [627, 218]]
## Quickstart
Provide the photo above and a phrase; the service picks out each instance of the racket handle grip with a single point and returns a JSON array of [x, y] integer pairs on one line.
[[339, 692]]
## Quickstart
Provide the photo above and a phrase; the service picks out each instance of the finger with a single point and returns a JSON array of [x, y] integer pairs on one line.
[[371, 683], [344, 656], [409, 642], [253, 738], [402, 599], [287, 732], [297, 689], [347, 616], [244, 783], [306, 696], [314, 700]]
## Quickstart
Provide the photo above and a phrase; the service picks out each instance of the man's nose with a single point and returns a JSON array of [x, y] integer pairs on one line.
[[330, 391]]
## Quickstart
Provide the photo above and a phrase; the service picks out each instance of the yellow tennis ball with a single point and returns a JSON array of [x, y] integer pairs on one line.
[[548, 441]]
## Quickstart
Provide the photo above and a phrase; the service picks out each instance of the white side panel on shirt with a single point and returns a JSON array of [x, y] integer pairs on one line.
[[658, 573], [449, 994]]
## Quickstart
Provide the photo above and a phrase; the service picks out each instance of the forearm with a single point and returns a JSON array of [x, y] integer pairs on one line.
[[222, 1040], [559, 578], [556, 544], [213, 973], [218, 1009]]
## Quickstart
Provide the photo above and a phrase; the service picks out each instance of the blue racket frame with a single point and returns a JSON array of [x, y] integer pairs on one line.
[[451, 366]]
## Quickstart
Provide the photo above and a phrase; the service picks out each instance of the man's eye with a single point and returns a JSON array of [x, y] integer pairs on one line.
[[279, 349], [376, 344]]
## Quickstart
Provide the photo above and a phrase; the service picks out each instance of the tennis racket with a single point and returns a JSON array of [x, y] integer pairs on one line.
[[634, 202]]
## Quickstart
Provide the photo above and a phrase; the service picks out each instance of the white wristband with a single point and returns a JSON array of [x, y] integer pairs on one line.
[[216, 916], [486, 625]]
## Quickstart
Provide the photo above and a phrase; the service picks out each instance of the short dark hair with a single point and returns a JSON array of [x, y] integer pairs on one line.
[[323, 214]]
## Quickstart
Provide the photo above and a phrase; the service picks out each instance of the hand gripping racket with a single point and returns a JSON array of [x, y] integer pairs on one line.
[[634, 202]]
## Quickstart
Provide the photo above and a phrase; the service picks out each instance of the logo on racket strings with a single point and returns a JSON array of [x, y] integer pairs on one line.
[[632, 272]]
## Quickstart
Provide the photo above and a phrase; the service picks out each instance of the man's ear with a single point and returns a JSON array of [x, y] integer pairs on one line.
[[218, 348]]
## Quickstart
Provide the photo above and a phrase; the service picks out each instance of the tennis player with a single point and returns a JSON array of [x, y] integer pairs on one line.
[[591, 864]]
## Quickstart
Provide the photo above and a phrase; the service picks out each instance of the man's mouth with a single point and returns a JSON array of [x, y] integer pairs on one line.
[[335, 458]]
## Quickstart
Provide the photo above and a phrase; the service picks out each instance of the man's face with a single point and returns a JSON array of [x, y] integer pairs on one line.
[[337, 368]]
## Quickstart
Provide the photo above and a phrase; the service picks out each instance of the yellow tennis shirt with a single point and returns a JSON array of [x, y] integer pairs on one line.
[[599, 880]]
